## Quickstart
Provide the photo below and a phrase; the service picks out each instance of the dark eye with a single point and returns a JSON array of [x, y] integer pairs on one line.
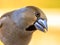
[[37, 14]]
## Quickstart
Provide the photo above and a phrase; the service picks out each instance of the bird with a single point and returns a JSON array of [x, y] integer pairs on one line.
[[17, 26]]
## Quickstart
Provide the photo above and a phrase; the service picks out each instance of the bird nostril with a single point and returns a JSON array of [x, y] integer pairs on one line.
[[31, 28]]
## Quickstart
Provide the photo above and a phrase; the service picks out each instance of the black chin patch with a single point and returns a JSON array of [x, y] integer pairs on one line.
[[31, 28]]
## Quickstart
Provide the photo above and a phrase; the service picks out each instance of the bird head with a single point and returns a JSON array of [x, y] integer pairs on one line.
[[29, 18], [37, 20]]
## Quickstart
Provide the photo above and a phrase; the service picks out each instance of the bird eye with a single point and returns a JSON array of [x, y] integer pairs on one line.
[[37, 14]]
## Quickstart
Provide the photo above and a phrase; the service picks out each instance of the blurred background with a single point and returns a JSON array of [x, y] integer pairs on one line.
[[52, 10]]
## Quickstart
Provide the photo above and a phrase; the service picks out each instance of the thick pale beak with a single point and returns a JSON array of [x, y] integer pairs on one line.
[[41, 25]]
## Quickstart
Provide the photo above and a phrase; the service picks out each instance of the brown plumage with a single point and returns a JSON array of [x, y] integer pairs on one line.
[[16, 27]]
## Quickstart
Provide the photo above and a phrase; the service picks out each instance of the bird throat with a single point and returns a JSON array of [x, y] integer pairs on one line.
[[30, 28]]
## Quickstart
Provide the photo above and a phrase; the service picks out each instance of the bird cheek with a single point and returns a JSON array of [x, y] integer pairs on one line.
[[34, 19]]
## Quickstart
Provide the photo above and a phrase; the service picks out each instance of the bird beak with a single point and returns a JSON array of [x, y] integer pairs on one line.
[[41, 24]]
